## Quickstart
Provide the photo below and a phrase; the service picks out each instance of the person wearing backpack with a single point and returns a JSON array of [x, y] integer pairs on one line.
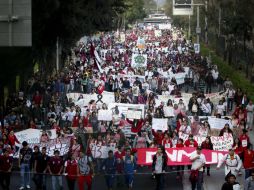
[[109, 166], [85, 171], [232, 162], [129, 165], [159, 165]]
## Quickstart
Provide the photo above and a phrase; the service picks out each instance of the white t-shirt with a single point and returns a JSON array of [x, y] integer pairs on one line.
[[158, 164], [185, 129], [198, 162]]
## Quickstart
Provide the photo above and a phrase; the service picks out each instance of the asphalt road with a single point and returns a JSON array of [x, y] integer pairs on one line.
[[141, 181]]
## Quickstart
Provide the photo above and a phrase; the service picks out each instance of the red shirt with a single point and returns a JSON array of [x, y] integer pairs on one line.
[[158, 138], [5, 163], [179, 145], [37, 99], [75, 121], [55, 164], [13, 139], [167, 143], [244, 139], [71, 169], [119, 156], [187, 143], [248, 159]]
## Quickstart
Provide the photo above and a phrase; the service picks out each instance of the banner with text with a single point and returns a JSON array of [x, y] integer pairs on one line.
[[178, 156]]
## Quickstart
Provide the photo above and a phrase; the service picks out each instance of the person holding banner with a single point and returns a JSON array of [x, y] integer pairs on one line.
[[159, 166], [232, 161], [129, 162], [109, 165]]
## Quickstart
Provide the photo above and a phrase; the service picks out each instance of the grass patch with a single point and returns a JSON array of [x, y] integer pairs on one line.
[[237, 77]]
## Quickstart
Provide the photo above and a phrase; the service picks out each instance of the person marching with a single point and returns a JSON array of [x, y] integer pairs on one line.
[[198, 162], [71, 168], [232, 162], [159, 165], [109, 165], [130, 165], [85, 171]]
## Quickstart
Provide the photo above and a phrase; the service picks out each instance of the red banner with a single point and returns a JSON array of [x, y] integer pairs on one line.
[[178, 156]]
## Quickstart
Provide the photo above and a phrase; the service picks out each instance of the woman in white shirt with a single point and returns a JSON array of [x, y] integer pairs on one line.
[[220, 108]]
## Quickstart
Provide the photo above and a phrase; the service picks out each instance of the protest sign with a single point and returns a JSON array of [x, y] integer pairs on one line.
[[141, 44], [123, 108], [31, 136], [127, 131], [101, 151], [168, 111], [178, 156], [223, 143], [218, 123], [157, 33], [105, 115], [134, 113], [138, 60], [160, 124]]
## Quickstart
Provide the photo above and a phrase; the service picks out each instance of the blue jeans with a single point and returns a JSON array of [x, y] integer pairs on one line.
[[247, 173], [57, 181], [25, 174], [199, 182], [110, 179]]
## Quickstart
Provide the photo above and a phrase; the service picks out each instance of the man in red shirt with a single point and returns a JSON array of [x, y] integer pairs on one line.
[[71, 169], [55, 168], [5, 169], [248, 161]]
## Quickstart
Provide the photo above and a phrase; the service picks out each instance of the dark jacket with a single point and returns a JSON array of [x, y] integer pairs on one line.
[[228, 186], [164, 161]]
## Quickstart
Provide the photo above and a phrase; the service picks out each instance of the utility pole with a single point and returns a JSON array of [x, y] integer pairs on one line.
[[57, 55], [206, 22], [219, 20], [198, 29], [189, 31]]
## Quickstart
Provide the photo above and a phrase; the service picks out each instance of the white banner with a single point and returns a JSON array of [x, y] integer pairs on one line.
[[105, 115], [218, 123], [101, 151], [107, 97], [160, 124], [123, 108], [164, 26], [33, 136], [134, 114], [139, 60]]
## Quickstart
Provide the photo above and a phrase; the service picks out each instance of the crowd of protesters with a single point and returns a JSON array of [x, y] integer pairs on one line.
[[44, 105]]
